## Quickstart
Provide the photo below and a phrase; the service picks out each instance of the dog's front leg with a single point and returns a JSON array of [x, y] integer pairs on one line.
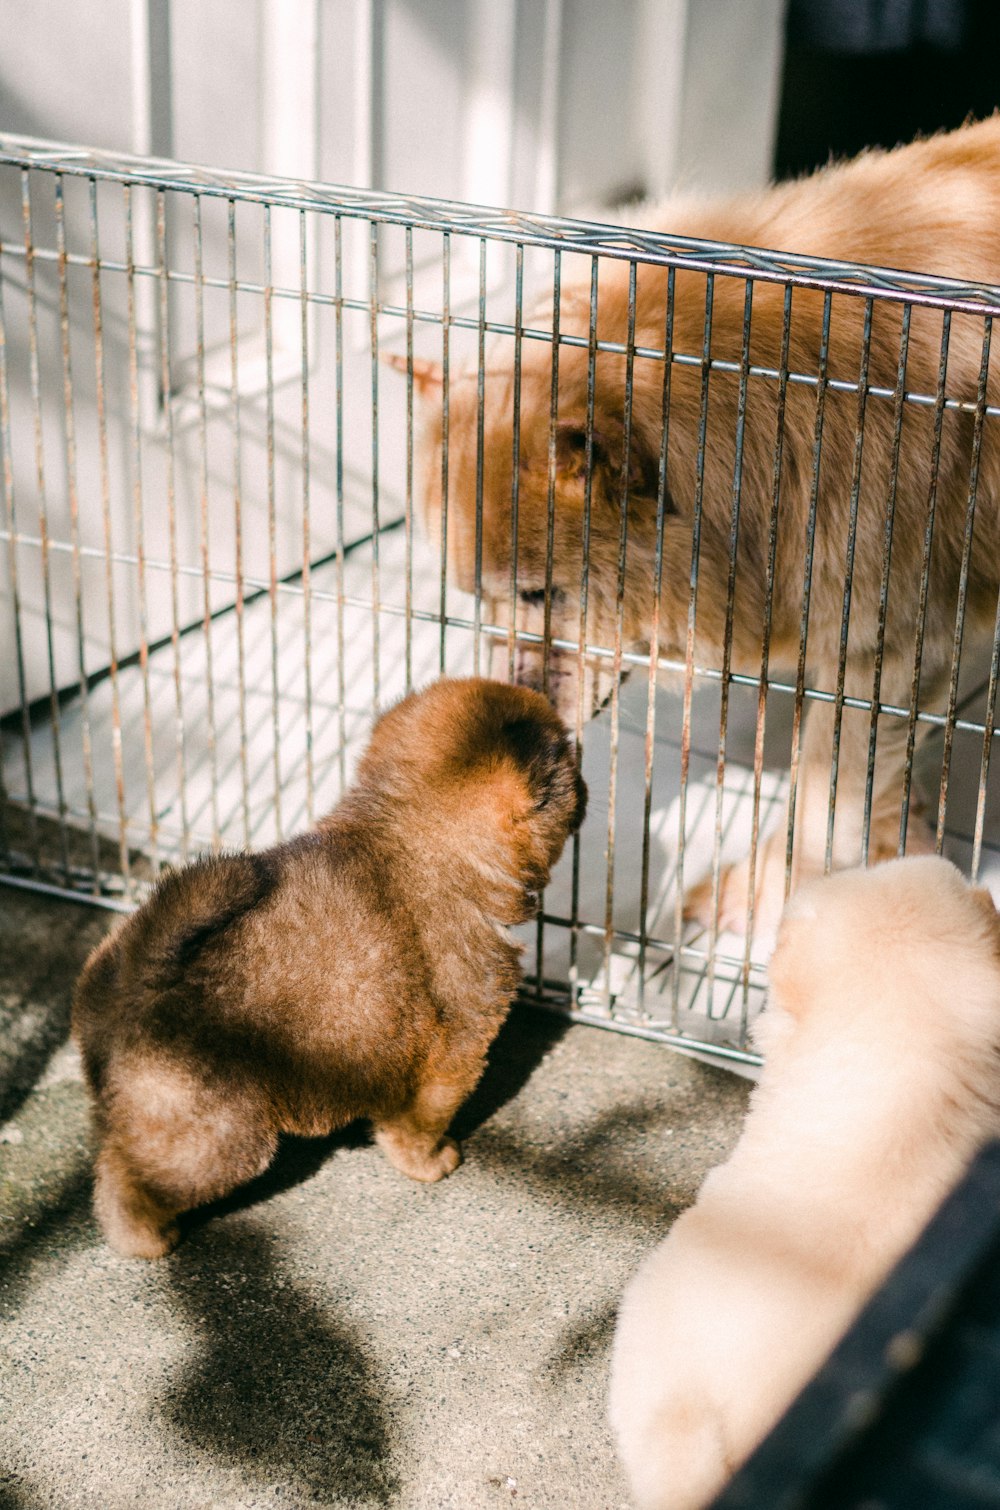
[[848, 805]]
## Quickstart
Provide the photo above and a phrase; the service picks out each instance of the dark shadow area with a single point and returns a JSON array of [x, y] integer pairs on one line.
[[277, 1388], [41, 1231], [15, 1494], [589, 1336], [515, 1053], [296, 1161], [836, 100], [581, 1171], [41, 954]]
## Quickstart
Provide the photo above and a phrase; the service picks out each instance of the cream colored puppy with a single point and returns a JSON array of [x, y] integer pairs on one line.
[[881, 1080]]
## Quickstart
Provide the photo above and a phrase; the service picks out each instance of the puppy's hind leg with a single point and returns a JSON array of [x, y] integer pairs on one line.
[[170, 1145], [135, 1222], [414, 1139]]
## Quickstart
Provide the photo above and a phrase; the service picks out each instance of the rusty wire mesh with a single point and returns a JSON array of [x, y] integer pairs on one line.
[[215, 575]]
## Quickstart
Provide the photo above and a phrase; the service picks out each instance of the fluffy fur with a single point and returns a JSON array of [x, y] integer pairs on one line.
[[881, 1080], [932, 207], [361, 970]]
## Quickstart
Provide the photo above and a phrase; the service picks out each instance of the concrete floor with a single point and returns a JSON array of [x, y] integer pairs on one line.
[[338, 1335]]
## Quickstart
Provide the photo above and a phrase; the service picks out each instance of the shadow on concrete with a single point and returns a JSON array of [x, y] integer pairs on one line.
[[15, 1493], [518, 1049], [583, 1172], [581, 1343], [278, 1388], [58, 1219]]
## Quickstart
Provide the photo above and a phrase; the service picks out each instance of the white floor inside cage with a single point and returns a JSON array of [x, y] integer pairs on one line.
[[203, 748]]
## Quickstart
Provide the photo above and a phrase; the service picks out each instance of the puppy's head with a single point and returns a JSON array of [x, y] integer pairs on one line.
[[903, 952], [487, 767]]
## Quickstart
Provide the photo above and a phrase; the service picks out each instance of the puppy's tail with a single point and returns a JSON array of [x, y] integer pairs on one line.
[[193, 906]]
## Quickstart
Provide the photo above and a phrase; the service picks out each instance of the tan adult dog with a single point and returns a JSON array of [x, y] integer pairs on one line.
[[933, 207], [359, 970], [881, 1081]]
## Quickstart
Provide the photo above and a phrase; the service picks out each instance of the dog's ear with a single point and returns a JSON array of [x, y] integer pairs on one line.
[[607, 457], [427, 376]]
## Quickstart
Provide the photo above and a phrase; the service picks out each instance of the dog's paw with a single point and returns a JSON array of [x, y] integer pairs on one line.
[[416, 1158], [732, 913], [444, 1161], [147, 1242]]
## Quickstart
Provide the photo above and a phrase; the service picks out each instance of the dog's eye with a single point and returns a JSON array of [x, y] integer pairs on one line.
[[535, 596]]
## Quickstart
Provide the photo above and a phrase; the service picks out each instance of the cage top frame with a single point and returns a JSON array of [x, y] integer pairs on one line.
[[557, 233]]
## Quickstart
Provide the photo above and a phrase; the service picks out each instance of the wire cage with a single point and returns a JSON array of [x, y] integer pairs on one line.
[[216, 569]]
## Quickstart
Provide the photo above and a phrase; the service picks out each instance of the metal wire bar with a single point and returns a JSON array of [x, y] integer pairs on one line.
[[845, 618], [339, 374], [925, 570], [759, 727], [140, 536], [609, 241], [43, 512], [550, 517], [102, 440], [550, 497], [237, 463], [480, 462], [445, 436], [408, 501], [963, 584], [609, 893], [515, 461], [204, 521], [588, 487], [272, 528], [727, 651], [72, 489], [163, 337], [662, 499], [376, 594], [689, 666], [306, 536], [883, 605], [807, 570], [13, 575]]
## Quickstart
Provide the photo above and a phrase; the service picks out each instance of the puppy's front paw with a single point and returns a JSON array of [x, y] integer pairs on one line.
[[418, 1158], [443, 1162]]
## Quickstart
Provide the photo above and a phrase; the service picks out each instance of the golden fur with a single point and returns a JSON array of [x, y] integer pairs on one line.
[[360, 970], [932, 207], [881, 1080]]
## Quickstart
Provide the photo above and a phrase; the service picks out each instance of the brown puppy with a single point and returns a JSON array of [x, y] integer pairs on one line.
[[361, 970], [932, 207]]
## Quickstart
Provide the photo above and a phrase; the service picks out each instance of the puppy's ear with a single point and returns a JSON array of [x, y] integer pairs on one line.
[[536, 748], [428, 377], [542, 755]]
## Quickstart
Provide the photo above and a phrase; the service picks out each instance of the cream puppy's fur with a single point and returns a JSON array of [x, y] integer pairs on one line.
[[881, 1080]]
